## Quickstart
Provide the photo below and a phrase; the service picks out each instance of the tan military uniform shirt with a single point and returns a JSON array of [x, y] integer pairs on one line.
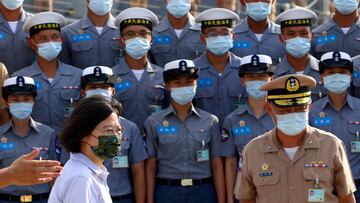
[[3, 76], [269, 176]]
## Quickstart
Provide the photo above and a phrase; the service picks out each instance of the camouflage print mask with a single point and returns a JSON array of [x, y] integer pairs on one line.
[[108, 147]]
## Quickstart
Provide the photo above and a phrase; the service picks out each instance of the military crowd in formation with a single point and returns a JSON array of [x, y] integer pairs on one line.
[[214, 108]]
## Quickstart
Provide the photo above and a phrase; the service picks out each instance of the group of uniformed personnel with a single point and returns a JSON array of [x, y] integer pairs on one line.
[[214, 108]]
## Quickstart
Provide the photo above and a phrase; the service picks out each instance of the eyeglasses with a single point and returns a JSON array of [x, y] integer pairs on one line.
[[132, 34], [216, 34], [109, 130]]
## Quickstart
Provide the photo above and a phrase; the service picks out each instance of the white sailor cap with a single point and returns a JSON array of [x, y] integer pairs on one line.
[[97, 70], [217, 17], [97, 75], [335, 59], [136, 16], [256, 63], [180, 67], [296, 17], [19, 85], [44, 21]]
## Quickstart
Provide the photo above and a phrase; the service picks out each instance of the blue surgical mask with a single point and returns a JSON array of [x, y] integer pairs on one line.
[[12, 4], [346, 7], [49, 50], [99, 92], [137, 47], [21, 110], [298, 46], [258, 10], [252, 88], [292, 124], [337, 83], [183, 95], [178, 8], [100, 7], [219, 45]]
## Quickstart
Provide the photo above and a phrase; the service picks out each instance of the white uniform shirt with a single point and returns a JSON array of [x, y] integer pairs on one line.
[[81, 181]]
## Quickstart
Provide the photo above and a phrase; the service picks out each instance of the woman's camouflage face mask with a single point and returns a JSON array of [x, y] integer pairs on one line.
[[109, 144]]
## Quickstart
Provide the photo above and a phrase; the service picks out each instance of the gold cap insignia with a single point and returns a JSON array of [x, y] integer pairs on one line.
[[324, 33], [322, 114], [81, 32], [292, 84]]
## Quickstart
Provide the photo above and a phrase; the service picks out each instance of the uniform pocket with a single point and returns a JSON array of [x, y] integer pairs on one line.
[[68, 94], [81, 46], [267, 186]]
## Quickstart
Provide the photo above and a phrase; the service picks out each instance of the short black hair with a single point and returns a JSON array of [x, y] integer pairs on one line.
[[88, 113]]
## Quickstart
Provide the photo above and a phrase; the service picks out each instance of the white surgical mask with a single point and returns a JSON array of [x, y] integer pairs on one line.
[[49, 50], [292, 124], [12, 4], [183, 95], [100, 7]]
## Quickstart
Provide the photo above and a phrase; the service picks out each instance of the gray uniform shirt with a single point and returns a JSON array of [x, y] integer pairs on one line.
[[119, 179], [312, 69], [15, 52], [168, 47], [345, 124], [83, 46], [246, 43], [175, 144], [240, 127], [12, 146], [219, 95], [139, 98], [330, 37], [53, 102], [355, 84]]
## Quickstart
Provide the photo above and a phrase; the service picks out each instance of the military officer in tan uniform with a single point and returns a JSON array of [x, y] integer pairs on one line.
[[294, 162]]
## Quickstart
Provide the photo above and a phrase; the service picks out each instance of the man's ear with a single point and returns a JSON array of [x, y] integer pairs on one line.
[[31, 43], [281, 38], [202, 39]]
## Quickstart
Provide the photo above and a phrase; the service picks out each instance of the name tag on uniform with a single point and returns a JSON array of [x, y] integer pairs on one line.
[[2, 36], [81, 37], [202, 155], [355, 147], [123, 85], [326, 39], [205, 82], [316, 195], [241, 45], [163, 39], [323, 121], [120, 162]]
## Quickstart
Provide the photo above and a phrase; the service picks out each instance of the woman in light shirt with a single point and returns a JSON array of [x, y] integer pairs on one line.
[[91, 135]]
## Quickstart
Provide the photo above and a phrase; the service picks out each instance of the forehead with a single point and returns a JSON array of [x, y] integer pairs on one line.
[[135, 28], [294, 108], [217, 29], [110, 122], [296, 29], [47, 33], [335, 69], [19, 96]]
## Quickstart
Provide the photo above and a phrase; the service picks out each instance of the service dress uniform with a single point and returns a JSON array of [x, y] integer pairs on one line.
[[132, 152], [330, 37], [15, 52], [144, 95], [57, 96], [300, 17], [167, 46], [218, 93], [14, 145], [345, 123], [242, 125], [355, 83], [84, 46], [183, 149], [247, 43], [317, 172]]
